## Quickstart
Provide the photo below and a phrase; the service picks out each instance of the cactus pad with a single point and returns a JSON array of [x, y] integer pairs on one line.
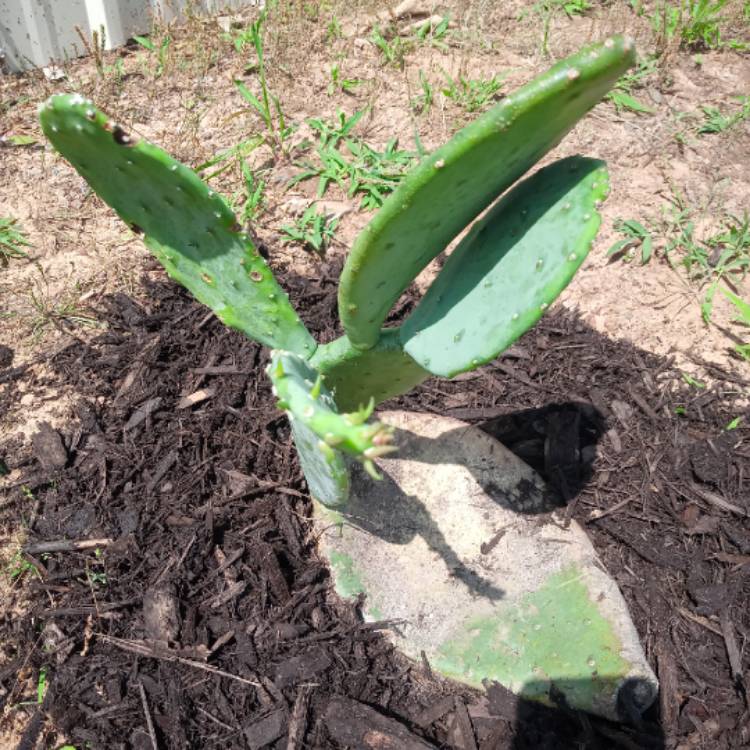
[[454, 184], [188, 227], [354, 376], [299, 388], [325, 471], [508, 269]]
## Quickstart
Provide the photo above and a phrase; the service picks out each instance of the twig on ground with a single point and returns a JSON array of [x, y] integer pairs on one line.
[[149, 720], [137, 647], [299, 718], [733, 652], [698, 620], [66, 545], [717, 500]]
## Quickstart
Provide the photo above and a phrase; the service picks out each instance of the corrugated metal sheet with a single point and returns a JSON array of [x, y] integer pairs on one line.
[[34, 33]]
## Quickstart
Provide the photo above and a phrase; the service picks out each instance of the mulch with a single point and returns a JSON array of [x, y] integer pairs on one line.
[[186, 606]]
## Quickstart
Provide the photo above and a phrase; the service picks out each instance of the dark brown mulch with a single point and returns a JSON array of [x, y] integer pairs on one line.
[[210, 621]]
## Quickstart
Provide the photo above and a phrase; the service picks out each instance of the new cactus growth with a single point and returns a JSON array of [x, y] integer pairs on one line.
[[496, 284]]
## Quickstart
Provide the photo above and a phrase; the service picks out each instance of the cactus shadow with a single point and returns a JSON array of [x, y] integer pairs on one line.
[[557, 441], [384, 510], [540, 717]]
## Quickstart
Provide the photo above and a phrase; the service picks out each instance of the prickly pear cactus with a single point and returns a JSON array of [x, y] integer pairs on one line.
[[494, 287]]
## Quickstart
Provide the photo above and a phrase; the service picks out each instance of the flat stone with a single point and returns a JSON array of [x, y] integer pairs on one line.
[[459, 544]]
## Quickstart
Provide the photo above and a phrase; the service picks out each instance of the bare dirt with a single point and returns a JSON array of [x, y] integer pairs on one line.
[[206, 508]]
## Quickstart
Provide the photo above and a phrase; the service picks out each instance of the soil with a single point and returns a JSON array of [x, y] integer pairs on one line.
[[203, 616], [208, 619]]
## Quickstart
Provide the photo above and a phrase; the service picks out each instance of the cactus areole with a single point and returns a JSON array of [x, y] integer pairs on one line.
[[498, 281]]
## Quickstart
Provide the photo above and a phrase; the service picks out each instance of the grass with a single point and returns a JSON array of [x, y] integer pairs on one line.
[[314, 231], [339, 83], [248, 202], [694, 24], [62, 311], [12, 241], [548, 9], [267, 105], [743, 318], [352, 164], [422, 103], [472, 95], [715, 121], [393, 50], [636, 236], [724, 257], [434, 33], [622, 95], [394, 47], [160, 52]]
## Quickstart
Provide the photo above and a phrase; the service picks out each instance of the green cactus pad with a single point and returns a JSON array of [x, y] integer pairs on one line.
[[509, 268], [299, 388], [188, 227], [326, 472], [454, 184], [355, 376]]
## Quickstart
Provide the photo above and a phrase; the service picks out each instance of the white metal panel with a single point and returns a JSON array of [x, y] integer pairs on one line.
[[36, 32]]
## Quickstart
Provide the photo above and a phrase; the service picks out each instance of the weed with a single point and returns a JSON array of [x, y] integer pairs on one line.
[[692, 382], [394, 51], [161, 51], [472, 95], [735, 423], [422, 103], [96, 579], [19, 566], [724, 256], [622, 93], [249, 202], [743, 308], [547, 9], [434, 32], [717, 122], [313, 230], [12, 241], [695, 23], [339, 83], [41, 685], [268, 106], [359, 169], [636, 235]]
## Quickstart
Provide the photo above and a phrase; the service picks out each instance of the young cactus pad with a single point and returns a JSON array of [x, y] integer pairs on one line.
[[507, 270], [187, 226], [453, 185], [302, 395]]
